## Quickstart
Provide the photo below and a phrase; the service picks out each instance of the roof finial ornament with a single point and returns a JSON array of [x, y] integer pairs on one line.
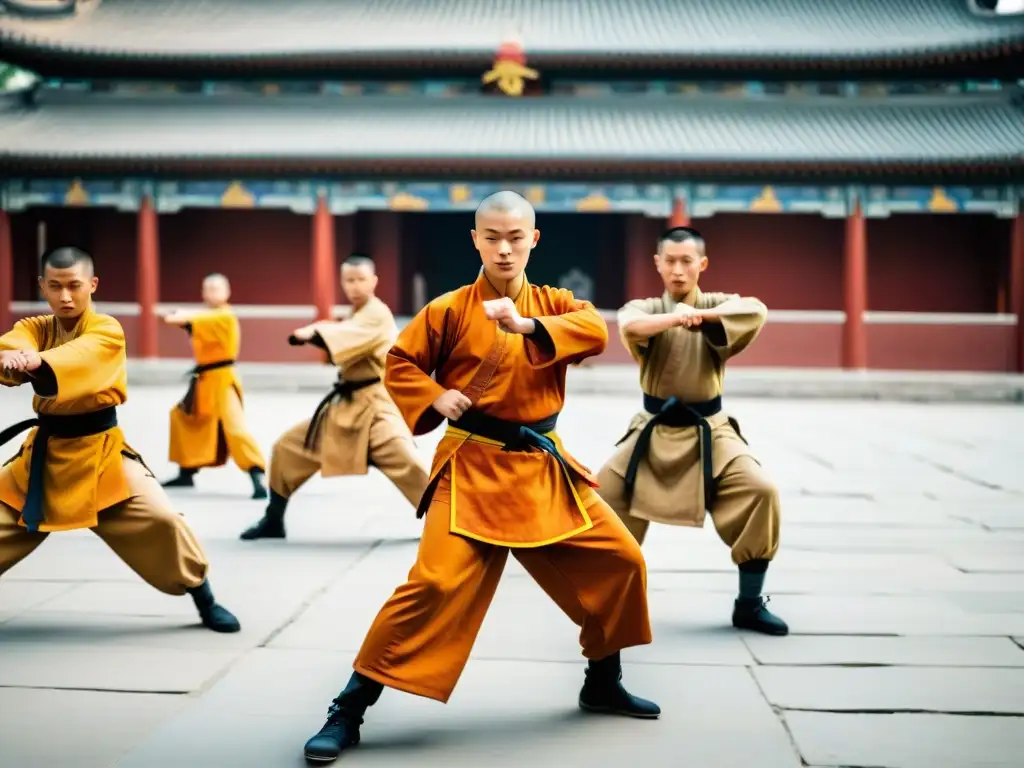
[[510, 72]]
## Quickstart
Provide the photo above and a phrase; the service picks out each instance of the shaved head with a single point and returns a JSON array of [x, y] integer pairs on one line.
[[361, 261], [510, 204], [67, 258], [682, 235], [216, 290]]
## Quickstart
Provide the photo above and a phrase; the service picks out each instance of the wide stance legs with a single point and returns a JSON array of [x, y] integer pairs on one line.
[[746, 516], [422, 637], [148, 535]]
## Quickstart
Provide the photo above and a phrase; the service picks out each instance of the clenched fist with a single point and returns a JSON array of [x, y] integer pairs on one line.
[[504, 311], [23, 360], [452, 404], [687, 316]]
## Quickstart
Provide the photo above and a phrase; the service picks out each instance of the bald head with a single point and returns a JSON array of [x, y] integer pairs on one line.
[[506, 232], [507, 203], [216, 290]]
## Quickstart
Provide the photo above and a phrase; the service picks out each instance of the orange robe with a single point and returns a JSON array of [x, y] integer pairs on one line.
[[486, 502], [83, 474], [212, 427], [94, 481]]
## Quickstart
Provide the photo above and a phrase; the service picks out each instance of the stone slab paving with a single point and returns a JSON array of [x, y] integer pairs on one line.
[[900, 573]]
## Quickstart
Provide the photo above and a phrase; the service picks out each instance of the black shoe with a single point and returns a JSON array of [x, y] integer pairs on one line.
[[754, 615], [259, 490], [185, 479], [339, 732], [603, 692], [213, 615], [266, 528]]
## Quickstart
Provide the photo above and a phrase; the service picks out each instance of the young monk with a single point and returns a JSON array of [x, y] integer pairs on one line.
[[357, 424], [75, 469], [501, 482], [208, 425], [682, 454]]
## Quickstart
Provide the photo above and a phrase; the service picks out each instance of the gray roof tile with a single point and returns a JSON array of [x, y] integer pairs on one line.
[[733, 29], [707, 129]]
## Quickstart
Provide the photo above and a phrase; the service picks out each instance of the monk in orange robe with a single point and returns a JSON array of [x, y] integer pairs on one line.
[[75, 469], [500, 482], [208, 425]]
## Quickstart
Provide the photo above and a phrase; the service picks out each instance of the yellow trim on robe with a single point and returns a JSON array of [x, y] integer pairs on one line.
[[453, 526]]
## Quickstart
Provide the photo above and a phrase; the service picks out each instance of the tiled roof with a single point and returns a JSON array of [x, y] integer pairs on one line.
[[535, 135], [694, 31]]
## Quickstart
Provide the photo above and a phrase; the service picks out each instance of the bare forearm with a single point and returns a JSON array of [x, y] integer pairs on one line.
[[644, 328]]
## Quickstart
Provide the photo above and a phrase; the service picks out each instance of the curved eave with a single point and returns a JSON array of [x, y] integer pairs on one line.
[[1005, 169], [991, 60]]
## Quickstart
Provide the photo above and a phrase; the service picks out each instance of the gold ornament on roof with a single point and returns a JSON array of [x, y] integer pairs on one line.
[[510, 72]]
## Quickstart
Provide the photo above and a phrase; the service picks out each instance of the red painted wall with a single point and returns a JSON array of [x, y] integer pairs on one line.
[[788, 261], [952, 263], [936, 262]]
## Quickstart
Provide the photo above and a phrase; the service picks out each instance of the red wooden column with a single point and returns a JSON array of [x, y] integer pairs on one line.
[[386, 252], [855, 290], [323, 271], [1017, 285], [148, 277], [642, 279], [6, 273], [679, 217]]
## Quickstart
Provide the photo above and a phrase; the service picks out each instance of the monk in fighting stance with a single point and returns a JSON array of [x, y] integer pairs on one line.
[[500, 482], [75, 469], [682, 455], [357, 424], [208, 425]]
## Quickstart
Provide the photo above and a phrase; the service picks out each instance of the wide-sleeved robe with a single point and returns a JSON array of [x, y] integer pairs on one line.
[[487, 502], [361, 426], [83, 475], [689, 364], [211, 428], [96, 481], [508, 376]]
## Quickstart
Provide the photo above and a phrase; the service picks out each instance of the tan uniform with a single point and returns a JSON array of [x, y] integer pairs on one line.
[[89, 477], [357, 425], [670, 486]]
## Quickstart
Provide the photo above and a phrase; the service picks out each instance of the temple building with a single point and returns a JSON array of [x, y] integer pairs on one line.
[[859, 166]]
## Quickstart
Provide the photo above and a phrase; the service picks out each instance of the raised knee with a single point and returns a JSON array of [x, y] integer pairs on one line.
[[766, 491], [632, 559]]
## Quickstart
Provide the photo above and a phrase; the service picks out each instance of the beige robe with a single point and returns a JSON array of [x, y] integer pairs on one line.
[[689, 365], [357, 432]]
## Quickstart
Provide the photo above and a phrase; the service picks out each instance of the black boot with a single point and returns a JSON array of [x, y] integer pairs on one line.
[[344, 717], [185, 479], [271, 525], [214, 616], [754, 615], [259, 490], [603, 692], [750, 610]]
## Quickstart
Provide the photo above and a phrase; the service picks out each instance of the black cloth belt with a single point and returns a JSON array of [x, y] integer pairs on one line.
[[513, 436], [342, 390], [67, 426], [675, 413], [189, 401]]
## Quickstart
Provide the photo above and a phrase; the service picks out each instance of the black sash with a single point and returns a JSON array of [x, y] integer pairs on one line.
[[675, 413], [514, 436], [189, 401], [78, 425], [342, 390]]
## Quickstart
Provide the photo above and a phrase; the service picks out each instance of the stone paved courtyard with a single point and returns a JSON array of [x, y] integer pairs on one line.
[[901, 574]]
